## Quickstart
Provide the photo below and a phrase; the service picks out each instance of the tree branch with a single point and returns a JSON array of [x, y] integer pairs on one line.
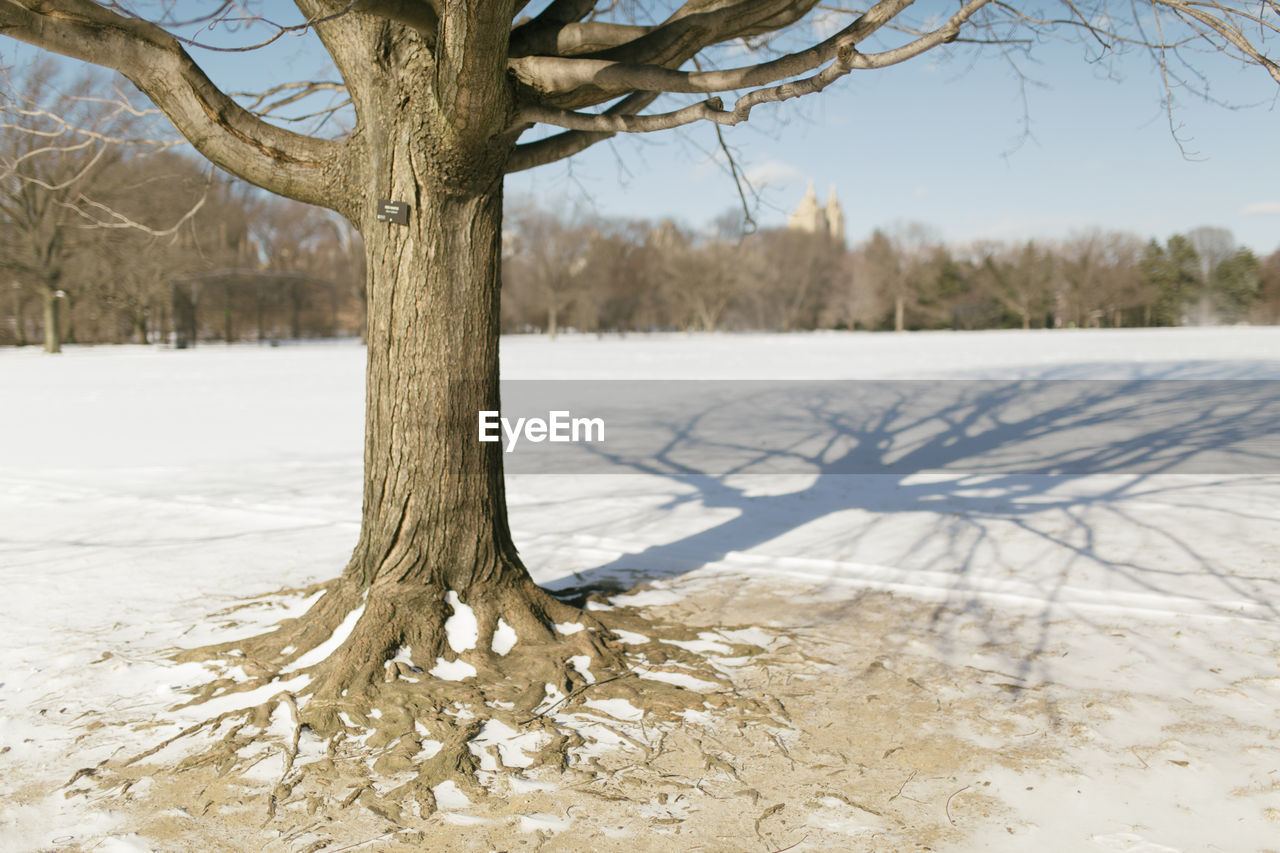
[[562, 145], [1229, 33], [847, 59], [701, 23], [286, 163], [420, 15], [560, 75], [691, 28], [542, 28], [119, 220]]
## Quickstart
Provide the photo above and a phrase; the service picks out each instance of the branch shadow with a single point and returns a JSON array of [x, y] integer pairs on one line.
[[964, 494]]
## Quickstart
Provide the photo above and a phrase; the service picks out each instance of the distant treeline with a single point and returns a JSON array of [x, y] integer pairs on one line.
[[241, 267], [593, 274], [108, 235]]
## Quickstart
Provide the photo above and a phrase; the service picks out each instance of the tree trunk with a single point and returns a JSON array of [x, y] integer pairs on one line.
[[68, 311], [899, 313], [19, 317], [295, 311], [434, 536], [551, 317], [434, 523], [226, 312], [257, 294], [52, 332], [434, 506]]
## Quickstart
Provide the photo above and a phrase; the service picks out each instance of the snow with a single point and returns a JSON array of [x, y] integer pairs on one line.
[[513, 747], [461, 629], [647, 598], [130, 843], [452, 670], [540, 822], [449, 796], [680, 679], [618, 708], [404, 655], [706, 643], [569, 627], [146, 495], [504, 638], [582, 665], [235, 701], [321, 652], [430, 749]]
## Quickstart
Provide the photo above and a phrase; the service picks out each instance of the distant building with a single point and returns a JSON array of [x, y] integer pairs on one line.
[[817, 219]]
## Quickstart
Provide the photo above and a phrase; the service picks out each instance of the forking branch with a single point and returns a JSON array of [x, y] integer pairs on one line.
[[575, 56]]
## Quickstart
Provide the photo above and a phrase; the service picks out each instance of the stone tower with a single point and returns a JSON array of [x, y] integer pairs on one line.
[[817, 219], [808, 216], [835, 217]]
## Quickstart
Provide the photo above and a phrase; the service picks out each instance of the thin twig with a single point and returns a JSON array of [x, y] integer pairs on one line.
[[793, 846], [903, 786], [369, 841], [577, 692], [948, 806]]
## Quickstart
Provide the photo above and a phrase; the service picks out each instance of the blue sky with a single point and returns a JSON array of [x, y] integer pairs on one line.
[[942, 142], [939, 140]]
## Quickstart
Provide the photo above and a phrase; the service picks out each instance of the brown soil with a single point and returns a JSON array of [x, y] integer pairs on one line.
[[853, 737]]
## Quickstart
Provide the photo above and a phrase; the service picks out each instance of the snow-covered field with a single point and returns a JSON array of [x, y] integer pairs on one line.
[[145, 492]]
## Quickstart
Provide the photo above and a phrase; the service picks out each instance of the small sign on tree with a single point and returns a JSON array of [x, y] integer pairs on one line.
[[393, 211]]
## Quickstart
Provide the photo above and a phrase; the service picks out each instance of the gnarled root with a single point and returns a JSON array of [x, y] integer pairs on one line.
[[388, 693]]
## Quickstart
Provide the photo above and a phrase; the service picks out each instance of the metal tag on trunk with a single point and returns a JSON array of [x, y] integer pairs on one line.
[[393, 211]]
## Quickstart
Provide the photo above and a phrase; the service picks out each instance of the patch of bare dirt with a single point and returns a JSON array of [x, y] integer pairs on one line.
[[856, 739]]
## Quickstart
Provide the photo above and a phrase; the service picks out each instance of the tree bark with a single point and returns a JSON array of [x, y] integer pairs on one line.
[[434, 508]]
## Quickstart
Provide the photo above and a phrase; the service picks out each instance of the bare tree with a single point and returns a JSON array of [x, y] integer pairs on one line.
[[1100, 277], [549, 260], [1020, 279], [1214, 247], [442, 92], [155, 201], [896, 264], [1267, 307], [54, 150], [698, 279], [792, 275]]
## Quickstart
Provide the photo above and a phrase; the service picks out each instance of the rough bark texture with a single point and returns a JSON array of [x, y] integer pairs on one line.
[[434, 517]]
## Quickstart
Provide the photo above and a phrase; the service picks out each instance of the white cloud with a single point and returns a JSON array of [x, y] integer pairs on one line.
[[772, 173], [1262, 208]]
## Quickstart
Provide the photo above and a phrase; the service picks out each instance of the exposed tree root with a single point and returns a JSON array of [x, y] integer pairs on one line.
[[378, 697]]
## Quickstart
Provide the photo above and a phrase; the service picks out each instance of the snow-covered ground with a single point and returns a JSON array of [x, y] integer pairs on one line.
[[144, 493]]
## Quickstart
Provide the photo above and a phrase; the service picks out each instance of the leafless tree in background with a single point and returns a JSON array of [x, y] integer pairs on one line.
[[1267, 307], [58, 147], [1021, 278]]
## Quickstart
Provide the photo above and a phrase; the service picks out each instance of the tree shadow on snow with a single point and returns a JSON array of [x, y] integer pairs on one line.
[[1037, 493]]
